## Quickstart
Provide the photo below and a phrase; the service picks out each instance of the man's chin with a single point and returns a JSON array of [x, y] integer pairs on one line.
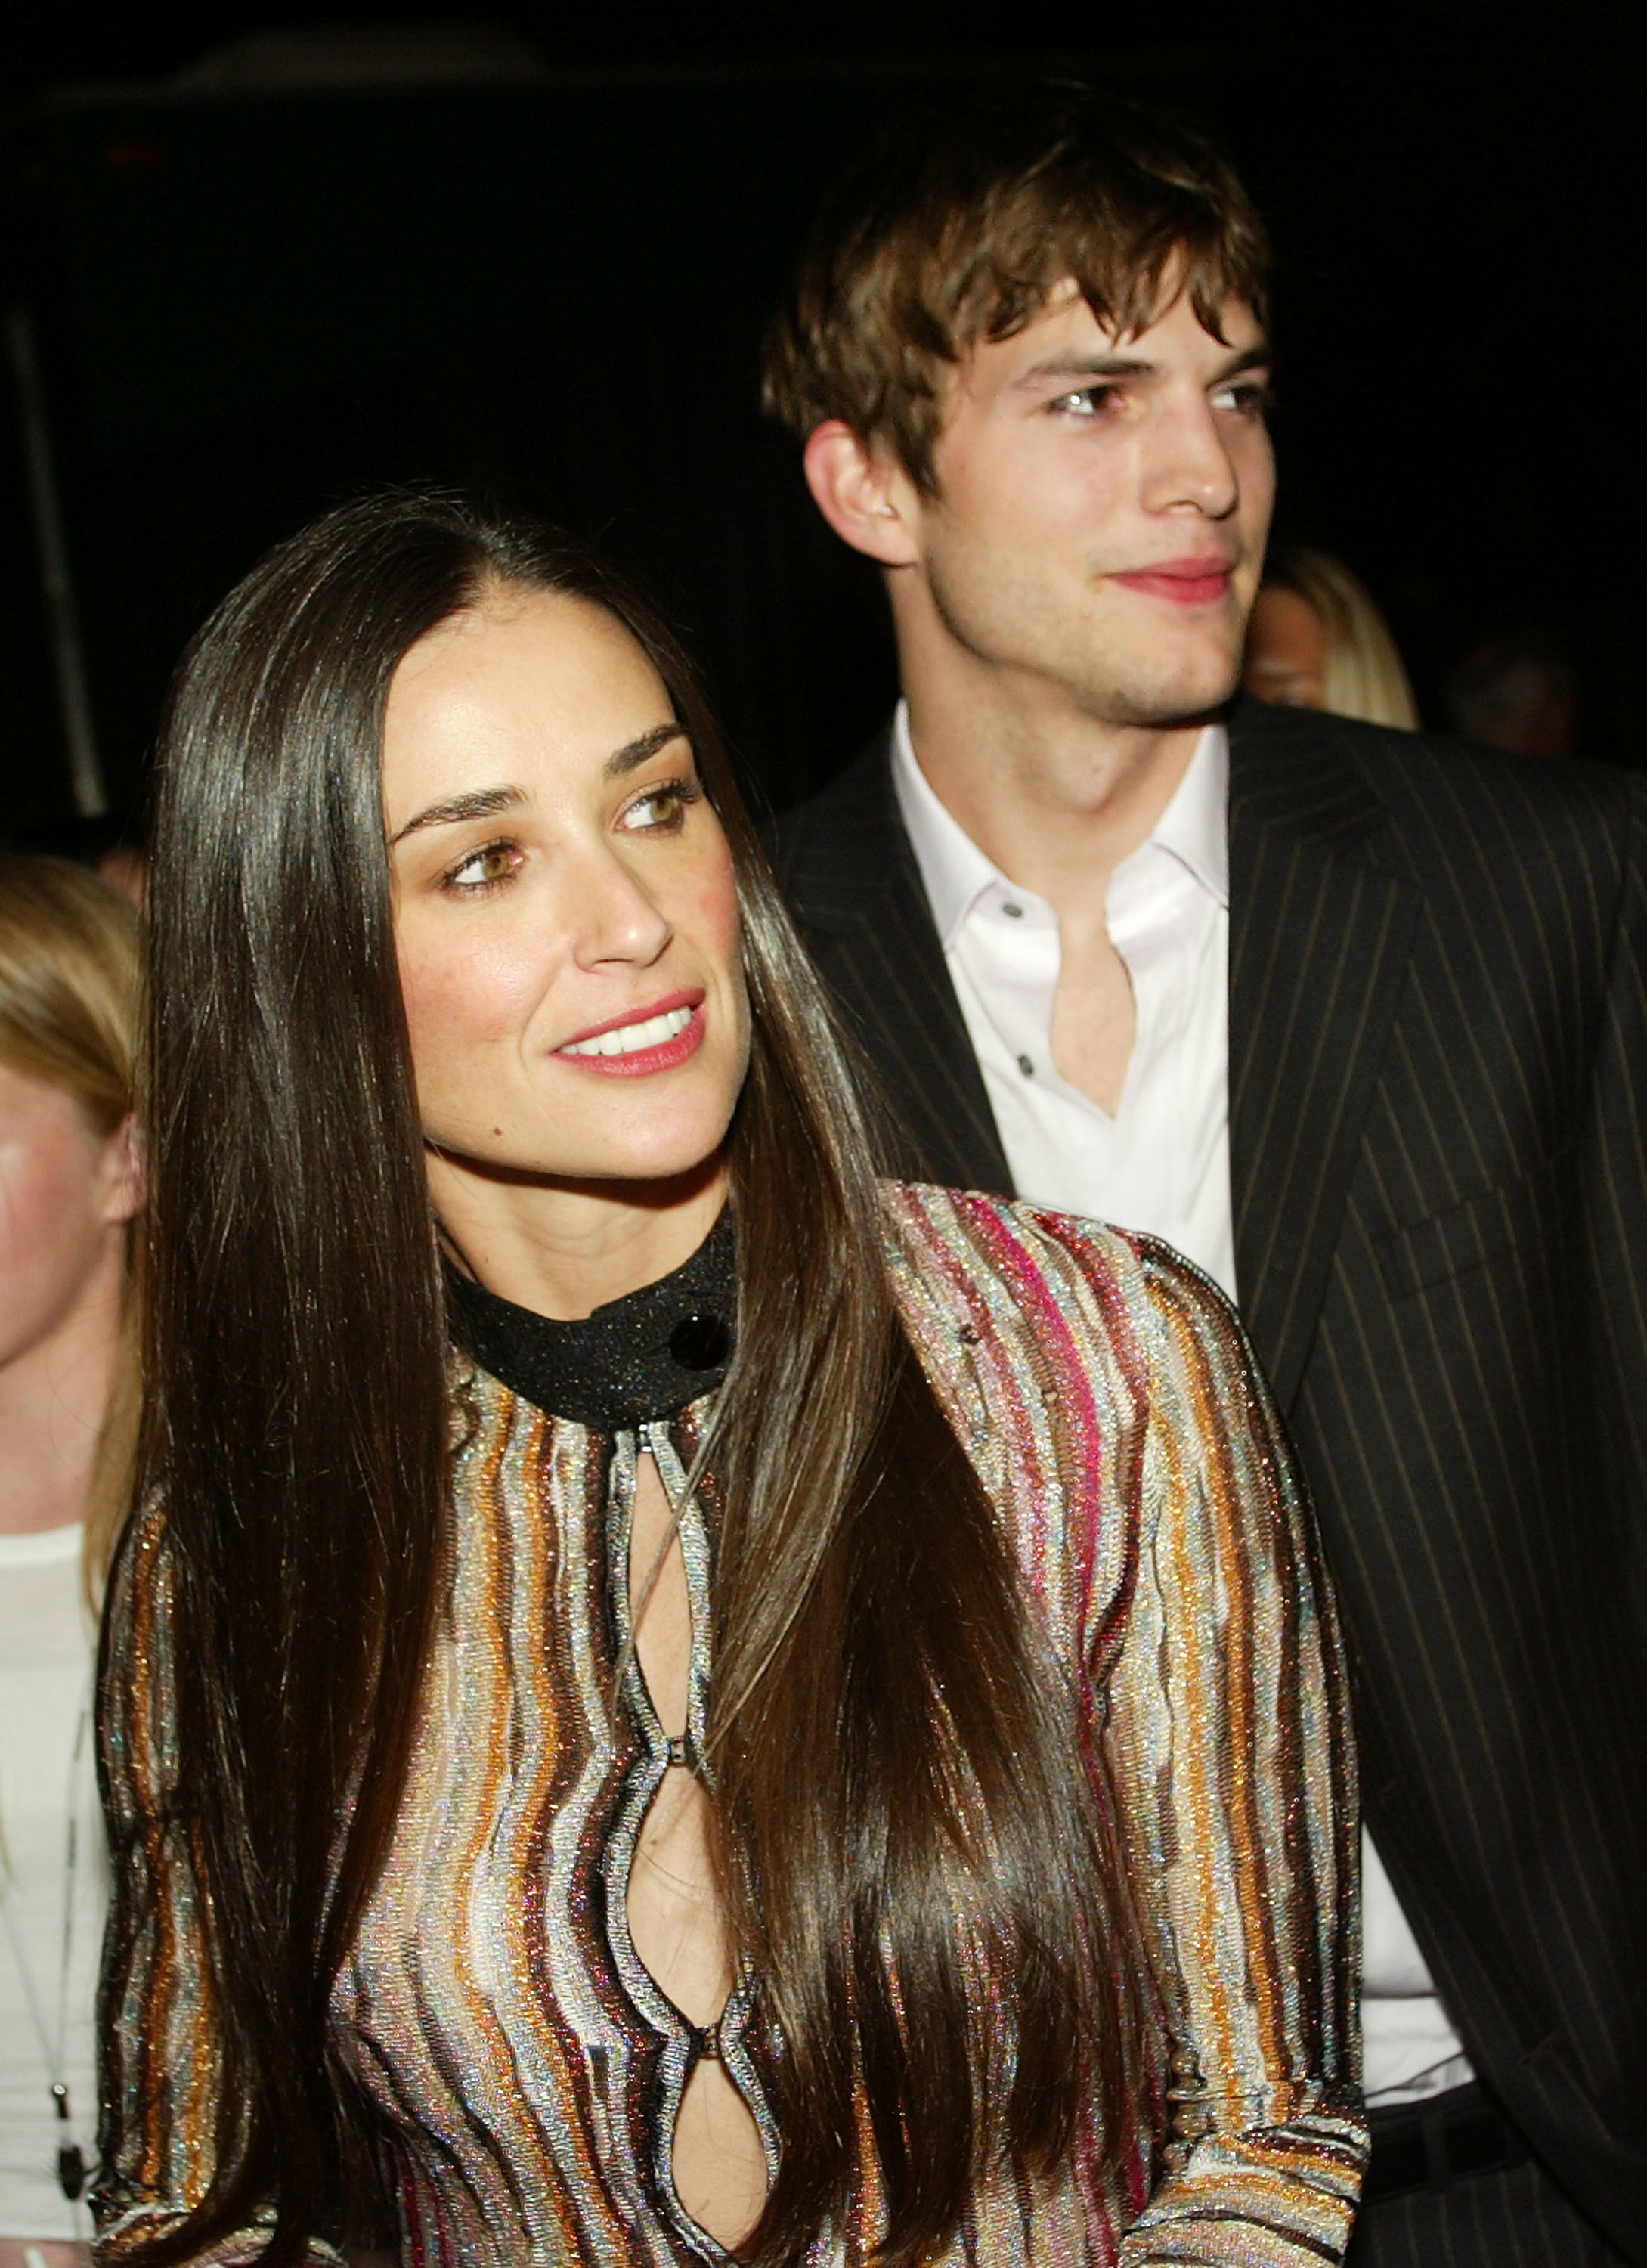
[[1170, 703]]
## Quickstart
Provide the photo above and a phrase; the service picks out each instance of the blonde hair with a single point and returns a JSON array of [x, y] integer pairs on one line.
[[1363, 676], [69, 976]]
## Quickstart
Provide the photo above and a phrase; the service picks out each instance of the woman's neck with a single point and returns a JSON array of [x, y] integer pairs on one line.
[[567, 1249], [53, 1397]]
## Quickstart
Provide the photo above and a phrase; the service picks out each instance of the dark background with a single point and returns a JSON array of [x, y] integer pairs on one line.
[[538, 260]]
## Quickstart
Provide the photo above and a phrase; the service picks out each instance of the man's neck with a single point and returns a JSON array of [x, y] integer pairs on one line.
[[1053, 797]]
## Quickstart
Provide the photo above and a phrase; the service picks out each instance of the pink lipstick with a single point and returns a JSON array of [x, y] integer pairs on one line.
[[641, 1040]]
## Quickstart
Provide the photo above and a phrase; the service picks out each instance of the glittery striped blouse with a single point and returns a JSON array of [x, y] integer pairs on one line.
[[525, 2069]]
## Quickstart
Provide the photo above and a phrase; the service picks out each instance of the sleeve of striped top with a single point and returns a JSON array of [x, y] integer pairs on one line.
[[163, 2116], [1231, 1759]]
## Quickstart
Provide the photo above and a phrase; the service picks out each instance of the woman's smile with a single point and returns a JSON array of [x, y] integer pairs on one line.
[[642, 1041]]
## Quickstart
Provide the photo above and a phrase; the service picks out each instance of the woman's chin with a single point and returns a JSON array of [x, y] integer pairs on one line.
[[645, 1173]]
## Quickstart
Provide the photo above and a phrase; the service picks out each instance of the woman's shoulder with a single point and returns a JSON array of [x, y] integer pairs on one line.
[[965, 1244], [1070, 1358], [1038, 1306]]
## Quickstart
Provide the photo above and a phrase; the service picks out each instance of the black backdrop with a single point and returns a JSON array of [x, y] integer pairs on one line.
[[251, 304]]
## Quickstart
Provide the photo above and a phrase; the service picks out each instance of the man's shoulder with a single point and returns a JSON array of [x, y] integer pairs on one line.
[[834, 844], [1417, 802], [1423, 797]]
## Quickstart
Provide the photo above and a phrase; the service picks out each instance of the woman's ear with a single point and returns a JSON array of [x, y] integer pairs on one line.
[[123, 1175], [863, 493]]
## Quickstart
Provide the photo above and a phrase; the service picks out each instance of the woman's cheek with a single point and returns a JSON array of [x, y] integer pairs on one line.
[[456, 1000]]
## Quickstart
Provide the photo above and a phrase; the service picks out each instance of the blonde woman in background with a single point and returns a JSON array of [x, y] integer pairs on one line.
[[69, 1187], [1317, 641]]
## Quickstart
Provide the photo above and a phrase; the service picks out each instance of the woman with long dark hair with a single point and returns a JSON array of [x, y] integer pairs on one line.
[[666, 1699]]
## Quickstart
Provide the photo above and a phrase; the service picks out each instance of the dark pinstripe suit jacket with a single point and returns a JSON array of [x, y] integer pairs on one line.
[[1438, 1108]]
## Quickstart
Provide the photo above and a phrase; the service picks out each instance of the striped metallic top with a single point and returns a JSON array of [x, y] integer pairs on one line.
[[525, 2067]]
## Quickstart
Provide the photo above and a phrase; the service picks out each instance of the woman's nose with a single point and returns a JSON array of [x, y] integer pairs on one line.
[[617, 918]]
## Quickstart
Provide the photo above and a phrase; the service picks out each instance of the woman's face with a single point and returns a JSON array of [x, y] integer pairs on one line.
[[566, 918], [66, 1193], [1286, 652]]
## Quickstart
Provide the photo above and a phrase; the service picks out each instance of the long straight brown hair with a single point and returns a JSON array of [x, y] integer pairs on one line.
[[898, 1763]]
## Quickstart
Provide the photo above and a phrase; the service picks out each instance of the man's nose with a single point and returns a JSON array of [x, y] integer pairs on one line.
[[1187, 465]]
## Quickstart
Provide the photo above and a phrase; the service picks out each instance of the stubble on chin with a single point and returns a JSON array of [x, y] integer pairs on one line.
[[1126, 687], [1138, 698], [1016, 626]]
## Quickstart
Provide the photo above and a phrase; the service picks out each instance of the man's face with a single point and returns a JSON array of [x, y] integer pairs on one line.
[[1102, 507]]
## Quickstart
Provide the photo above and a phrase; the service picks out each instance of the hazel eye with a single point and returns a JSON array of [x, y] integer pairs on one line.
[[662, 809], [483, 869]]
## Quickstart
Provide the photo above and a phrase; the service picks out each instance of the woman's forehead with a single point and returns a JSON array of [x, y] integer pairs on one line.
[[507, 620], [534, 688]]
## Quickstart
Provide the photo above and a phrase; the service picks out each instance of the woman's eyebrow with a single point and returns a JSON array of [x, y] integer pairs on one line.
[[636, 752], [481, 803], [488, 802]]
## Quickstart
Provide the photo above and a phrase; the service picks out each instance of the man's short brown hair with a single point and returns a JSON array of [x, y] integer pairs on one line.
[[946, 237]]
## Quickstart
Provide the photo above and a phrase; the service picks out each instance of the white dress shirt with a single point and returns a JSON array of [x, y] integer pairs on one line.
[[1161, 1163]]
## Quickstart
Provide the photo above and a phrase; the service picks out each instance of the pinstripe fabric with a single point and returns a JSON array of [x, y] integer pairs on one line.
[[848, 869], [1513, 2220], [1438, 1050], [523, 2069]]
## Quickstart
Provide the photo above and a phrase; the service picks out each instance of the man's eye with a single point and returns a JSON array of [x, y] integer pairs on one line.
[[483, 869], [662, 809], [1086, 403], [1249, 398]]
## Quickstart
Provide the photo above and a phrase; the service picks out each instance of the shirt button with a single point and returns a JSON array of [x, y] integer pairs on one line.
[[1026, 1066], [1012, 912]]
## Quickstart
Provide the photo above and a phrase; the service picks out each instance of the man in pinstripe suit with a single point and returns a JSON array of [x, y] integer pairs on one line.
[[1358, 1019]]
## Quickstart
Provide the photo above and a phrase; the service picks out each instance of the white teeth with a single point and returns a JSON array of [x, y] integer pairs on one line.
[[632, 1038]]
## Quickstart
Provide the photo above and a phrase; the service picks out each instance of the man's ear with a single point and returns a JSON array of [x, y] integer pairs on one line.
[[863, 493]]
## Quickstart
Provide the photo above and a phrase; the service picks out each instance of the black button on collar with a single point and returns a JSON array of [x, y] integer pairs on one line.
[[634, 1361], [700, 1341]]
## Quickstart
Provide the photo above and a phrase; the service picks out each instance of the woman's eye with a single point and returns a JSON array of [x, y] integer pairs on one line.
[[661, 809], [483, 869]]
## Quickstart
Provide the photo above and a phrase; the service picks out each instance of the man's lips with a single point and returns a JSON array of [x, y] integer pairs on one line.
[[640, 1041], [1200, 582]]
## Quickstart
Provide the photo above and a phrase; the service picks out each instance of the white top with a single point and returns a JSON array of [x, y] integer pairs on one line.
[[1162, 1163], [46, 1649]]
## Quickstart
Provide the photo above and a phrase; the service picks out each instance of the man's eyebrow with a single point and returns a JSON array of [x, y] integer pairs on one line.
[[1083, 369], [481, 803], [634, 752], [1262, 356], [1077, 367]]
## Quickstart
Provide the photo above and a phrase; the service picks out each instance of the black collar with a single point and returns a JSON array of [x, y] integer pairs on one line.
[[638, 1358]]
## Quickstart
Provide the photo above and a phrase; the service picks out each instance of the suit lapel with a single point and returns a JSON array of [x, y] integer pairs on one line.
[[1320, 933], [852, 879]]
